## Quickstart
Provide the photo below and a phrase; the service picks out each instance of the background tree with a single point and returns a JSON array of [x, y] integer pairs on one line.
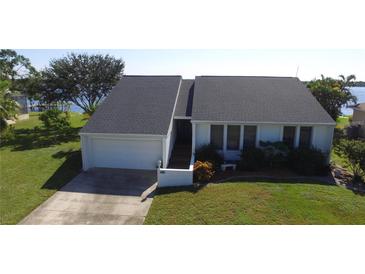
[[15, 72], [15, 68], [81, 79], [8, 106], [333, 94]]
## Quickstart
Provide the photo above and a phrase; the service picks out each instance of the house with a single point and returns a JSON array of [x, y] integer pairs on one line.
[[358, 118], [158, 122]]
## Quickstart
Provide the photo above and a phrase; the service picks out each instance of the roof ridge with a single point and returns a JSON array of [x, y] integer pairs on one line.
[[140, 75], [253, 76]]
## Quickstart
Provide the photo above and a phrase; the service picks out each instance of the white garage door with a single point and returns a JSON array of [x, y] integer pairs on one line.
[[133, 154]]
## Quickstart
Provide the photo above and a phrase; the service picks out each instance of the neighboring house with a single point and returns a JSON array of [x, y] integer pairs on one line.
[[147, 119], [358, 118]]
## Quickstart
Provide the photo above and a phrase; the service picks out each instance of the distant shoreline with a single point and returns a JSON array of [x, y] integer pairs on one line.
[[360, 84]]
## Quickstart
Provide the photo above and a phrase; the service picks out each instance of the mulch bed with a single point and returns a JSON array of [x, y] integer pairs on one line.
[[269, 174]]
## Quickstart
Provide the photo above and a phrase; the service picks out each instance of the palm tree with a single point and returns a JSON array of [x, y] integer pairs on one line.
[[347, 81]]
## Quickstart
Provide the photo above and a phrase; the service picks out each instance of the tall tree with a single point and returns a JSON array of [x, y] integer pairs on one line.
[[8, 106], [81, 78], [15, 74], [333, 94], [18, 71], [14, 67]]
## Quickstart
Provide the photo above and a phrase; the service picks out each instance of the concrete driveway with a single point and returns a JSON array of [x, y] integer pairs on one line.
[[99, 196]]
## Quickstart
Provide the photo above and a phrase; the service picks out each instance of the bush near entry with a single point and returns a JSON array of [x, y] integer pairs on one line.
[[210, 154], [203, 171]]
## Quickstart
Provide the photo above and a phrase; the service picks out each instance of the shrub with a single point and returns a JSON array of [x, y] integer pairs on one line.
[[54, 119], [307, 161], [252, 159], [7, 134], [275, 153], [338, 134], [203, 171], [353, 132], [354, 152], [210, 154]]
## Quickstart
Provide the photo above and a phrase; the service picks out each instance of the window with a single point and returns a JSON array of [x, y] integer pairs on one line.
[[289, 136], [233, 137], [305, 136], [216, 136], [249, 139]]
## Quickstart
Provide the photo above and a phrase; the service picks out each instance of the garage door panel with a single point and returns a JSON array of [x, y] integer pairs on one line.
[[133, 154]]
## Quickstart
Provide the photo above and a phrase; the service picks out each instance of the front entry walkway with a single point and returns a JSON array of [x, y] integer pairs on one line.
[[99, 196]]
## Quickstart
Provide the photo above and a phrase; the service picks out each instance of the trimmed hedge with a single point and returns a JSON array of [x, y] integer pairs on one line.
[[208, 153], [252, 159], [307, 161]]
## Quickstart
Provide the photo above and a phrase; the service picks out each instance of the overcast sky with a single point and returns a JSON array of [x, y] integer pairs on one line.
[[190, 63]]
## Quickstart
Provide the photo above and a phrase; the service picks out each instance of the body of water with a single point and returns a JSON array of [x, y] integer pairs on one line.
[[359, 92]]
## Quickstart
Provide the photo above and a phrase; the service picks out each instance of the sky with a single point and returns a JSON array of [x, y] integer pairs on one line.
[[189, 63]]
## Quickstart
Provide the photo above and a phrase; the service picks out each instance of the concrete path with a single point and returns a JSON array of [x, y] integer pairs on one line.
[[99, 196]]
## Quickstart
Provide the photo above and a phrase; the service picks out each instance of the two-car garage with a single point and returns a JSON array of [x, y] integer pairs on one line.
[[121, 152]]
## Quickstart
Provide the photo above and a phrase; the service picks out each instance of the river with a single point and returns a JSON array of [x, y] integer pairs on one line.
[[359, 92]]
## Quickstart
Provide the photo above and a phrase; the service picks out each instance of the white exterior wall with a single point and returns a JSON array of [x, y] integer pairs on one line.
[[86, 152], [168, 177], [321, 136], [130, 152], [270, 133], [175, 177], [202, 135]]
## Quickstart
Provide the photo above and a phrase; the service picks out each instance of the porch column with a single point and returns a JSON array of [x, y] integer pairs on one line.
[[258, 135], [193, 127], [164, 153], [224, 140], [297, 134], [241, 136]]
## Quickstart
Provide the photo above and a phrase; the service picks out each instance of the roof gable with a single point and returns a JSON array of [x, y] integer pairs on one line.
[[137, 105], [255, 99]]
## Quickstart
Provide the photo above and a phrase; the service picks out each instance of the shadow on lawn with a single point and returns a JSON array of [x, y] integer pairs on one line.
[[67, 171], [192, 189], [26, 139]]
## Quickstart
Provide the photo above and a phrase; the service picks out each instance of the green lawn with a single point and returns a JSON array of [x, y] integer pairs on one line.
[[257, 203], [34, 165]]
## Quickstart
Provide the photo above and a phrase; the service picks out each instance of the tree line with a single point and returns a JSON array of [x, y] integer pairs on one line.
[[85, 80], [80, 79]]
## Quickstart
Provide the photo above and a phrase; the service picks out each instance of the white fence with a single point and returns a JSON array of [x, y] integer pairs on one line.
[[175, 177]]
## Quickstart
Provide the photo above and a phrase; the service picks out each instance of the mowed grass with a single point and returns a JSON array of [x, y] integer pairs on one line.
[[257, 203], [34, 165]]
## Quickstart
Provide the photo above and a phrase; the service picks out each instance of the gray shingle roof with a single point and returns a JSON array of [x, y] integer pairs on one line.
[[255, 99], [185, 101], [137, 105]]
